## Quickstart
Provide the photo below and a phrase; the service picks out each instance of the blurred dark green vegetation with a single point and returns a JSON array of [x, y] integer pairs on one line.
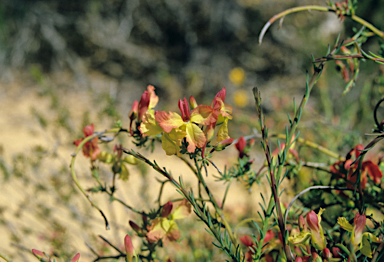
[[183, 49]]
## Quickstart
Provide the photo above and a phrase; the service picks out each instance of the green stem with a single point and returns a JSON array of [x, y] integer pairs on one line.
[[113, 198], [226, 193], [218, 210], [5, 257], [368, 25], [315, 146], [186, 195]]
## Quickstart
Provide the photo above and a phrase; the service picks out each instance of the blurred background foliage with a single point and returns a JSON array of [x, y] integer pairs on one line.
[[183, 49], [103, 53]]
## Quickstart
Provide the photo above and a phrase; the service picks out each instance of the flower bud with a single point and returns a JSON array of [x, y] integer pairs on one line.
[[313, 221], [130, 160], [129, 248], [192, 102], [327, 253], [316, 257], [76, 258], [105, 157], [143, 105], [336, 252], [298, 259], [223, 144], [134, 226], [41, 255], [240, 145], [184, 109], [167, 208], [134, 111], [88, 130], [302, 224], [358, 227], [317, 234]]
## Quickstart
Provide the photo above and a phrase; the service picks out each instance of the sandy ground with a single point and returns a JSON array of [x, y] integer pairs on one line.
[[20, 131]]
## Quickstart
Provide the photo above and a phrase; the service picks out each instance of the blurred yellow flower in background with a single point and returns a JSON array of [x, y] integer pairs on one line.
[[237, 76], [240, 98]]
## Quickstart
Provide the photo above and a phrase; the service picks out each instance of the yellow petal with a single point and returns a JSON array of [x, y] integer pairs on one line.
[[153, 98], [149, 127], [345, 224], [130, 160], [195, 137], [300, 238], [173, 232], [124, 173], [171, 142], [204, 115], [159, 228], [223, 131], [365, 246], [168, 121], [182, 210], [320, 213]]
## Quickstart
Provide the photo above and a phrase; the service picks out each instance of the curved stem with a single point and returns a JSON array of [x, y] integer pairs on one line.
[[72, 166], [307, 190], [290, 11], [317, 8]]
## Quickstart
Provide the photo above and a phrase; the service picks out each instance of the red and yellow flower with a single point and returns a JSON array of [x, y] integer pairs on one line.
[[91, 148], [360, 241], [189, 124], [164, 227], [346, 169]]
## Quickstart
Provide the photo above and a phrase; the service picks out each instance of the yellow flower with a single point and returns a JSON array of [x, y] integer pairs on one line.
[[237, 76], [360, 240], [315, 232]]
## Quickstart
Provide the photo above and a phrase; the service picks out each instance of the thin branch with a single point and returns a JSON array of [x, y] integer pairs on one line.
[[109, 243], [5, 258]]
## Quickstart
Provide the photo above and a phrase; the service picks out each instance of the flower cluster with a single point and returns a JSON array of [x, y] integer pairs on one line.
[[194, 127], [347, 169], [310, 228], [341, 9], [163, 227], [360, 241]]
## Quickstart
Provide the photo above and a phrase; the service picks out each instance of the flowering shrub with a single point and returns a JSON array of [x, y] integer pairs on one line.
[[339, 224]]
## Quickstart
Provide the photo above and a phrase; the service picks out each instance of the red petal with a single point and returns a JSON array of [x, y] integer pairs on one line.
[[373, 171], [184, 109], [246, 240], [88, 130]]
